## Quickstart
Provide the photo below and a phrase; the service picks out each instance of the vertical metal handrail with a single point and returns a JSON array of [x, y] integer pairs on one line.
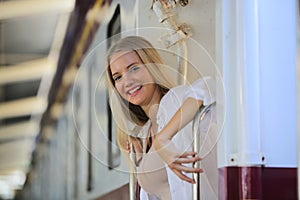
[[132, 186], [196, 131], [132, 176]]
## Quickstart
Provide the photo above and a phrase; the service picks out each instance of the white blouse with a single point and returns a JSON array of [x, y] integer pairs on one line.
[[154, 176]]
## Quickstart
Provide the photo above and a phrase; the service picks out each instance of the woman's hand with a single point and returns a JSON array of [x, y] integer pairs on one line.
[[175, 160], [134, 148]]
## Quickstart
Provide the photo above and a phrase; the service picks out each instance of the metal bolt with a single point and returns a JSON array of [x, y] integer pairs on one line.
[[183, 3]]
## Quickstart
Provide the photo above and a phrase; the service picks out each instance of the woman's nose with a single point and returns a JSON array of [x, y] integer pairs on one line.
[[128, 80]]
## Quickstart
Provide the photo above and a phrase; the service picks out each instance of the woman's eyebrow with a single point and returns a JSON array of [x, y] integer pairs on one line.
[[114, 74], [134, 63]]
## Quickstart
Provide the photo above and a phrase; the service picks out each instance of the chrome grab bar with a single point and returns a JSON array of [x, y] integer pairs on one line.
[[196, 131], [132, 186], [132, 175]]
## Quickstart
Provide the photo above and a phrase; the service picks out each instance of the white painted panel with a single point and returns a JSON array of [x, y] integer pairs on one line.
[[277, 109], [226, 61], [278, 34]]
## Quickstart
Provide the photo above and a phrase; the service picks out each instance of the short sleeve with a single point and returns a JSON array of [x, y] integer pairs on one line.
[[203, 89]]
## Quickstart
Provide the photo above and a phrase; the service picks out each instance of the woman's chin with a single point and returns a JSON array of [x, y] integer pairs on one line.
[[137, 103]]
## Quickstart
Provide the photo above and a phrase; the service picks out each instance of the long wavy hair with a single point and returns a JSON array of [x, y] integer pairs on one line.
[[128, 116]]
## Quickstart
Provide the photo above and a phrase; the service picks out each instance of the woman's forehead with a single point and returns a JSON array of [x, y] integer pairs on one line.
[[123, 58]]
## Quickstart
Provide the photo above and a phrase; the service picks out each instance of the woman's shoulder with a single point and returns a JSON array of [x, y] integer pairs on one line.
[[182, 91], [175, 93], [201, 89]]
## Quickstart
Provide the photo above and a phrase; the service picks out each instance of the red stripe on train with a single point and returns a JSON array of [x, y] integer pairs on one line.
[[267, 183]]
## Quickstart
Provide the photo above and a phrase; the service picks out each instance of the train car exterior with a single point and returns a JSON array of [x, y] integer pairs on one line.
[[77, 156]]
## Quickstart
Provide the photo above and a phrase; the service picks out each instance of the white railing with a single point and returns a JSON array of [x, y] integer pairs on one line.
[[132, 177], [197, 141]]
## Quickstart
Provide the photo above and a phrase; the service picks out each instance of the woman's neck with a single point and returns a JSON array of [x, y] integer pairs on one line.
[[152, 107], [152, 113], [153, 117]]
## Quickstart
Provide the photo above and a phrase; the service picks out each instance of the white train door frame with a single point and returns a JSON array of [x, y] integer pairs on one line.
[[256, 44]]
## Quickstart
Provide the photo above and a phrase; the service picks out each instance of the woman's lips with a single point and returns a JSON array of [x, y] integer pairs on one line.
[[134, 91]]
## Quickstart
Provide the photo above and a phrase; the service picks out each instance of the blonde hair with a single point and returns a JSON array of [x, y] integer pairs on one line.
[[129, 116]]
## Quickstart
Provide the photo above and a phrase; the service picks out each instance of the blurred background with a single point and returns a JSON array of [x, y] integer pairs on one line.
[[49, 136], [31, 36]]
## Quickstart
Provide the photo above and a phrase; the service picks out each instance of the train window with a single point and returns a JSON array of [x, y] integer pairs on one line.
[[113, 33], [114, 28]]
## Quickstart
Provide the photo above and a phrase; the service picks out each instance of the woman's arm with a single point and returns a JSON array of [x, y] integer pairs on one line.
[[165, 147]]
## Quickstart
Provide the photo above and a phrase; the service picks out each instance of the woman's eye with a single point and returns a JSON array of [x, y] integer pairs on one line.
[[116, 78], [134, 68]]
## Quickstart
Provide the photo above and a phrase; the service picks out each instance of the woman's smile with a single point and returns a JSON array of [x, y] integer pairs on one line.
[[134, 91]]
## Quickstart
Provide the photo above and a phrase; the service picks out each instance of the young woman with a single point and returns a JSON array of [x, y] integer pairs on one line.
[[156, 114]]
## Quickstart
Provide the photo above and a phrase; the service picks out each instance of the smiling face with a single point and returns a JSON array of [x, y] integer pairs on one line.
[[133, 80]]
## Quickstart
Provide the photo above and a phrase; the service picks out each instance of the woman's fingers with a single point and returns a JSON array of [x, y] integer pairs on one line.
[[127, 146], [178, 169], [187, 160], [183, 177], [188, 153], [186, 169], [188, 157]]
